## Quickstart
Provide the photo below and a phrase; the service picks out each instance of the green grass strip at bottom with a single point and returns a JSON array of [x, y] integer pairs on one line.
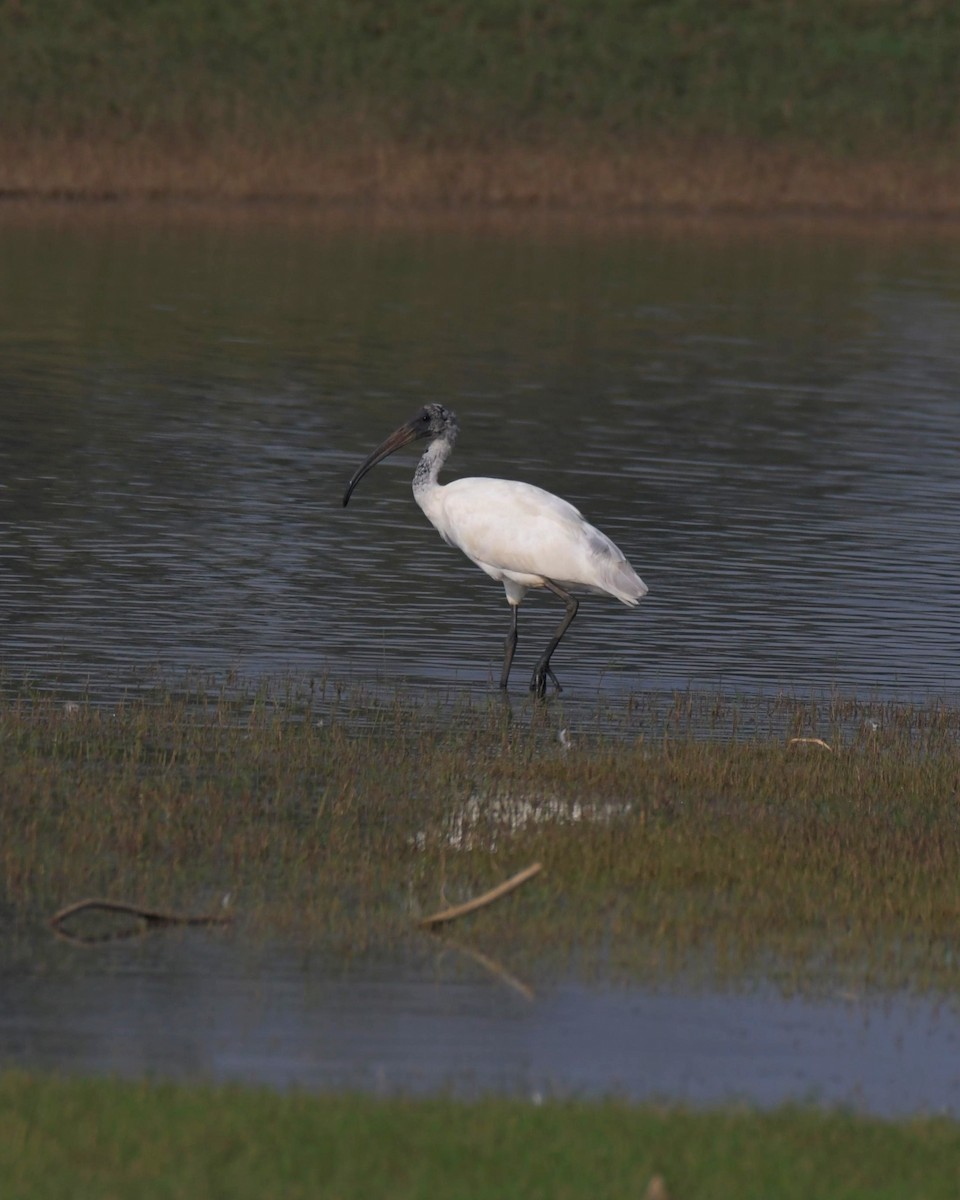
[[81, 1138]]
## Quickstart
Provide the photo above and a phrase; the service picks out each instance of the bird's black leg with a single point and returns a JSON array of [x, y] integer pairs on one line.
[[538, 684], [509, 648]]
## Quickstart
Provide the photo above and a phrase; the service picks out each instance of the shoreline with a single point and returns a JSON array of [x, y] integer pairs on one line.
[[670, 180]]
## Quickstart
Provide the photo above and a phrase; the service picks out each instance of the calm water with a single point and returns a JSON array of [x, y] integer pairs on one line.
[[767, 420], [767, 423], [201, 1006]]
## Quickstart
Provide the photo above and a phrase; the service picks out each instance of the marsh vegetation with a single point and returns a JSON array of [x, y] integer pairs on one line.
[[666, 850]]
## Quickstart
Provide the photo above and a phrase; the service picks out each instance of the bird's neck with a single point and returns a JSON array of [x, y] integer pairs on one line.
[[428, 468]]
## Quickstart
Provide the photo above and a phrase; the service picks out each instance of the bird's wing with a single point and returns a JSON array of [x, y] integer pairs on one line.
[[519, 527]]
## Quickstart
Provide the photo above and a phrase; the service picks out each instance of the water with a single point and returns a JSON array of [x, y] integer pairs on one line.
[[766, 419], [767, 423], [199, 1006]]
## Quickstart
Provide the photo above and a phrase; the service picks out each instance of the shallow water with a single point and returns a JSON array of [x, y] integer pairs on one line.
[[765, 419], [200, 1006]]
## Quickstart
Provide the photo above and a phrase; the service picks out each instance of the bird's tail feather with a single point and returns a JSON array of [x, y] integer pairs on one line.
[[624, 583]]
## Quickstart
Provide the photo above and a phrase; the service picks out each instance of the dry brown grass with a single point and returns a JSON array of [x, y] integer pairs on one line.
[[335, 171]]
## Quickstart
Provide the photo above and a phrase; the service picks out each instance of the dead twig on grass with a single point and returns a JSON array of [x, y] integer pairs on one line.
[[799, 741], [461, 910]]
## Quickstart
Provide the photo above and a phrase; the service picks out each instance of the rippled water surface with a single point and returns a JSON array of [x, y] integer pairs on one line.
[[766, 420]]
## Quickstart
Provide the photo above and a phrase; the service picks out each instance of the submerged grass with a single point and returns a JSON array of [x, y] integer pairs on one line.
[[666, 851], [102, 1138]]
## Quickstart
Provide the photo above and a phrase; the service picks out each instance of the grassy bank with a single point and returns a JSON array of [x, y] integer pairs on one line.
[[97, 1138], [687, 104], [665, 851]]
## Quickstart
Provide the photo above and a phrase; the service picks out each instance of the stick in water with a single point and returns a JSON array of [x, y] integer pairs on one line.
[[149, 916]]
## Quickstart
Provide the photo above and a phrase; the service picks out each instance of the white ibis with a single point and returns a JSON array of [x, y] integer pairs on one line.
[[519, 534]]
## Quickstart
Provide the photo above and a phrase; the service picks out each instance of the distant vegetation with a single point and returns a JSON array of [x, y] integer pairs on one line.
[[690, 105], [847, 73]]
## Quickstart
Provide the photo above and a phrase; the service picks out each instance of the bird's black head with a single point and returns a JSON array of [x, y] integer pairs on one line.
[[432, 421]]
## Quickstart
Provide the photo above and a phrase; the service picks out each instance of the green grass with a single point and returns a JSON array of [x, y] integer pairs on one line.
[[838, 72], [665, 851], [102, 1138]]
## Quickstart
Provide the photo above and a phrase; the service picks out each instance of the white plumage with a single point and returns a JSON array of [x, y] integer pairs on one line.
[[521, 535]]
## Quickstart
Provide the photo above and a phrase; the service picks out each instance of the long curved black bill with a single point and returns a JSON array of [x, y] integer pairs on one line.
[[400, 437]]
